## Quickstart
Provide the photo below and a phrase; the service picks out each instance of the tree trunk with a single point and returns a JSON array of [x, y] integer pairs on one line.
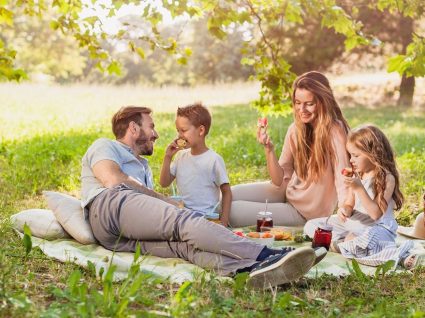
[[407, 88], [407, 85]]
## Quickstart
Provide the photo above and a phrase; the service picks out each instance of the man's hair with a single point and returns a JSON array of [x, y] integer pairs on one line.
[[124, 116], [197, 114]]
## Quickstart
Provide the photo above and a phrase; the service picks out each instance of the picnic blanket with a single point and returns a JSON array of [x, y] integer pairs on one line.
[[178, 270]]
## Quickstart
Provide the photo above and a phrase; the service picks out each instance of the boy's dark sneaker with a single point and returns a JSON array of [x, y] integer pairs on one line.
[[282, 268]]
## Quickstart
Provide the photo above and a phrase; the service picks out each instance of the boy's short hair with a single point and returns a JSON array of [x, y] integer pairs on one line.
[[197, 114]]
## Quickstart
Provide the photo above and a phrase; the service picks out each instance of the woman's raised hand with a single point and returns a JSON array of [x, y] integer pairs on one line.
[[262, 136]]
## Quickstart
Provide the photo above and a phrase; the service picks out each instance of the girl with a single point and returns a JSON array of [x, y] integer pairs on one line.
[[364, 227]]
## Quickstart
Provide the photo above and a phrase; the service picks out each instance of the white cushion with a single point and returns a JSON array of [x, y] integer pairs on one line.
[[41, 222], [69, 213]]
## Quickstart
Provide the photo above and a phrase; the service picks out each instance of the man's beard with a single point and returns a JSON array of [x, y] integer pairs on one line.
[[145, 144]]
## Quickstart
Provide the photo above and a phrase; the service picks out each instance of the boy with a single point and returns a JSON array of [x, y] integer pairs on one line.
[[200, 173]]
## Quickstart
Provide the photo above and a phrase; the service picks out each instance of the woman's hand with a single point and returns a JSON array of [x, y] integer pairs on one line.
[[263, 138]]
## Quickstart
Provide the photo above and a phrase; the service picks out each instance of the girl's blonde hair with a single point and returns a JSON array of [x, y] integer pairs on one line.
[[372, 142], [314, 145]]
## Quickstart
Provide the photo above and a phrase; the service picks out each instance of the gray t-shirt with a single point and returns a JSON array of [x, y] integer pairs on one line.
[[199, 179], [101, 149]]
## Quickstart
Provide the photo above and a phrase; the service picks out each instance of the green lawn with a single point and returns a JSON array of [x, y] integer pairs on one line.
[[41, 147]]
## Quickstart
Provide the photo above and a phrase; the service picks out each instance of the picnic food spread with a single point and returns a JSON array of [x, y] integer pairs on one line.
[[277, 234]]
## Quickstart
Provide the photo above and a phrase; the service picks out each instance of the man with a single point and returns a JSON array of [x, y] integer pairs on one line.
[[124, 210]]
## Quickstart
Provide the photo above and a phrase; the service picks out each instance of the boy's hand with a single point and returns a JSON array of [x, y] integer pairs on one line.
[[172, 149], [224, 221]]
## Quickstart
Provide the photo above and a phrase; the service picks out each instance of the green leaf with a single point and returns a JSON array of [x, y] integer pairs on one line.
[[54, 25], [137, 252], [247, 61], [91, 268], [72, 282], [92, 20], [6, 16], [240, 282], [396, 64], [293, 12], [182, 60], [27, 239], [114, 68], [183, 291], [358, 272], [188, 51], [140, 52]]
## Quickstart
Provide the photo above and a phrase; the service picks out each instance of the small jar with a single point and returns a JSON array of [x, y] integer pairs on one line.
[[322, 236], [264, 221]]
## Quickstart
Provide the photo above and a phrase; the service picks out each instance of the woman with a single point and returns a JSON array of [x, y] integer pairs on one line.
[[306, 181]]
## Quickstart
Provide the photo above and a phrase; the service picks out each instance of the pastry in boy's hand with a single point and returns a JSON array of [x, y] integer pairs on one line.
[[348, 172], [181, 143]]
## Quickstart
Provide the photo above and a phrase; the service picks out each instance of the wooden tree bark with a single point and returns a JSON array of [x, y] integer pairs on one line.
[[407, 85], [407, 89]]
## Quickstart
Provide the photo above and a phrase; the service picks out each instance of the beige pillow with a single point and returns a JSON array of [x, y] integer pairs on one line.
[[42, 223], [69, 213]]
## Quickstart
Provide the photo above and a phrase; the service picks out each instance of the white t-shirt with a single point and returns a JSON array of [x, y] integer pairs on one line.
[[199, 179]]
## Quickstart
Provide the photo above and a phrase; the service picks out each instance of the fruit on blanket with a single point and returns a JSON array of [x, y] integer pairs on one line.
[[267, 235], [262, 122], [348, 172], [239, 233], [299, 238], [281, 235], [181, 143], [278, 237], [253, 235]]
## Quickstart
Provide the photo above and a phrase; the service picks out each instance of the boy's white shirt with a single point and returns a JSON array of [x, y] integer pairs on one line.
[[199, 178]]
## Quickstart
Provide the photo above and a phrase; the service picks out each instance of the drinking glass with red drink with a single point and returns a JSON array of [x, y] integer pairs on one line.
[[264, 221], [322, 236]]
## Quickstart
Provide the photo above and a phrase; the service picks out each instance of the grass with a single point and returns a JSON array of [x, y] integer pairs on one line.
[[44, 134]]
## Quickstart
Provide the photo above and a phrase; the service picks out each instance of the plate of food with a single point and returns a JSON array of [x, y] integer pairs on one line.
[[265, 238]]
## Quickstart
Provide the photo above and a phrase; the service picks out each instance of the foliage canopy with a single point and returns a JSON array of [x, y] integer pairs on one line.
[[260, 20]]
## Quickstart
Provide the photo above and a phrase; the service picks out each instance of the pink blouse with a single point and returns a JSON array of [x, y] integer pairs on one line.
[[315, 199]]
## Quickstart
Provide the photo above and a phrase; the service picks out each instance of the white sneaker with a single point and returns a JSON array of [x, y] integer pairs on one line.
[[280, 269], [320, 253]]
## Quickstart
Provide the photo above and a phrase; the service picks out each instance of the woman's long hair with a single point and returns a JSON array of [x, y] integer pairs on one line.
[[314, 145], [372, 142]]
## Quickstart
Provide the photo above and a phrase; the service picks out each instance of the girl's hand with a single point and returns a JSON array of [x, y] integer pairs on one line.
[[353, 182], [172, 149], [342, 214]]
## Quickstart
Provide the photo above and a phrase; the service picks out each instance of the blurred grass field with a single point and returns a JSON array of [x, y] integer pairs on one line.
[[46, 130]]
